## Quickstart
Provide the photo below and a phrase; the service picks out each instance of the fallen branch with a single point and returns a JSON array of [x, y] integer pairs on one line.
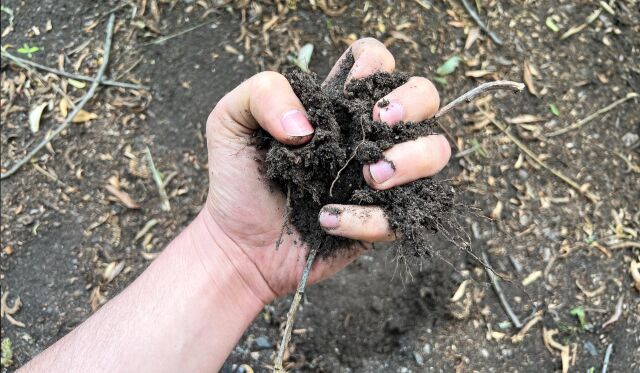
[[591, 116], [76, 110], [291, 315], [498, 289], [480, 90], [591, 196], [476, 18], [162, 39], [21, 61]]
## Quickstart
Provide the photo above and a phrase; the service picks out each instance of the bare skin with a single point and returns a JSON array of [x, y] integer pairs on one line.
[[187, 311]]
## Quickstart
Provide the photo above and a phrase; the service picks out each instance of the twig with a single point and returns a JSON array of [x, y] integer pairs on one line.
[[348, 160], [480, 90], [591, 196], [162, 39], [76, 110], [291, 315], [498, 289], [287, 212], [157, 177], [607, 357], [591, 116], [17, 60], [480, 23], [623, 245], [616, 314]]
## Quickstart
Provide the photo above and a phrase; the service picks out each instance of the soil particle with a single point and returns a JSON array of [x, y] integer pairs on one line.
[[329, 169]]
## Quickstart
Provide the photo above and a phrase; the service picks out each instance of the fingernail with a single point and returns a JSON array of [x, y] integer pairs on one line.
[[392, 113], [295, 123], [329, 218], [382, 171]]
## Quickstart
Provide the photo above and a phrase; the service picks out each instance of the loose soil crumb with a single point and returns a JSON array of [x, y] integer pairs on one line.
[[329, 169]]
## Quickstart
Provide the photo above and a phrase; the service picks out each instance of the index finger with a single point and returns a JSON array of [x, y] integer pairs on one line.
[[370, 56]]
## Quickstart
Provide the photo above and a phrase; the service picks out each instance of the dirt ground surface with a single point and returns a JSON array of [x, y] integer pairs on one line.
[[555, 191]]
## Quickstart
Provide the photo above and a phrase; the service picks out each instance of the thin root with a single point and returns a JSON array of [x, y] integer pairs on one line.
[[355, 151]]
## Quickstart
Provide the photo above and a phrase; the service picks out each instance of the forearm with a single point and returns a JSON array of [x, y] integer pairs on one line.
[[186, 312]]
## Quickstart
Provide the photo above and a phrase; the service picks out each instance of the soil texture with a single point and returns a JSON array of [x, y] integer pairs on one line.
[[328, 170]]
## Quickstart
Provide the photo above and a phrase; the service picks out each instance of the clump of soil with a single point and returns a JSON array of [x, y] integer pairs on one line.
[[345, 139]]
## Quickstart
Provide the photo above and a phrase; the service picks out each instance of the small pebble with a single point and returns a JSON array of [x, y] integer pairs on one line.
[[629, 139], [591, 348], [426, 349], [484, 353], [376, 304], [263, 343], [419, 358], [255, 355]]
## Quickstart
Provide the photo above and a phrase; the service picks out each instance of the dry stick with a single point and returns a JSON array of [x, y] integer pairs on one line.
[[291, 315], [480, 23], [590, 196], [76, 110], [162, 39], [480, 90], [589, 118], [503, 299], [348, 160], [112, 83]]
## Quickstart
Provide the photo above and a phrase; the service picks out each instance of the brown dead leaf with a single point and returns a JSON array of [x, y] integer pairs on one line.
[[497, 211], [525, 118], [472, 36], [122, 196], [528, 79], [322, 4], [402, 36], [64, 107], [83, 116], [478, 73]]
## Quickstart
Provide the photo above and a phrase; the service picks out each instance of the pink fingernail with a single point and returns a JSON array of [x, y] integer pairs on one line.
[[295, 123], [329, 219], [381, 171], [392, 113]]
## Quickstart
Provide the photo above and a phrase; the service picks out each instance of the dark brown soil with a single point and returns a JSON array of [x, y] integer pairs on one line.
[[328, 169]]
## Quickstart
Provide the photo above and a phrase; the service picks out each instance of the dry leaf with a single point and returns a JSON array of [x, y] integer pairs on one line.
[[64, 107], [478, 73], [525, 118], [460, 292], [497, 211], [83, 116], [472, 36], [528, 80], [124, 197], [34, 117], [112, 271]]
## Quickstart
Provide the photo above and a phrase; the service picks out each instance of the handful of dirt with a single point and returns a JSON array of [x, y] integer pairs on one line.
[[328, 169]]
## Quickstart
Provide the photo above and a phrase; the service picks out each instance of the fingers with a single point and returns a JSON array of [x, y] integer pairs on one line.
[[408, 161], [266, 100], [364, 223], [370, 56], [414, 101]]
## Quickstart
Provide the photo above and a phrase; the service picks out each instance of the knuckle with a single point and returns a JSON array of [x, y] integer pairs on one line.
[[266, 80]]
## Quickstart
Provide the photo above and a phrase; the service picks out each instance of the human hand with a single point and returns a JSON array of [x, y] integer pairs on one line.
[[244, 216]]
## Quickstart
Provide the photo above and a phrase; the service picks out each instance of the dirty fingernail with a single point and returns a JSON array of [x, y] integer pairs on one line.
[[392, 113], [381, 171], [329, 218], [295, 123]]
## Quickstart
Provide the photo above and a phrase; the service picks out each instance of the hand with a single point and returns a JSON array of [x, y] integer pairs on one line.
[[247, 216]]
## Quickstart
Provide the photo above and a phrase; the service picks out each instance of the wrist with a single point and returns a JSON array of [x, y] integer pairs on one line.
[[228, 266]]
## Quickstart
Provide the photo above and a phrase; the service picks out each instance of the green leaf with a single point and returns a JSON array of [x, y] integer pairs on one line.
[[76, 83], [551, 24], [554, 110], [580, 314], [592, 370], [441, 80], [29, 51], [449, 66], [504, 325], [7, 354], [304, 57], [479, 148]]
